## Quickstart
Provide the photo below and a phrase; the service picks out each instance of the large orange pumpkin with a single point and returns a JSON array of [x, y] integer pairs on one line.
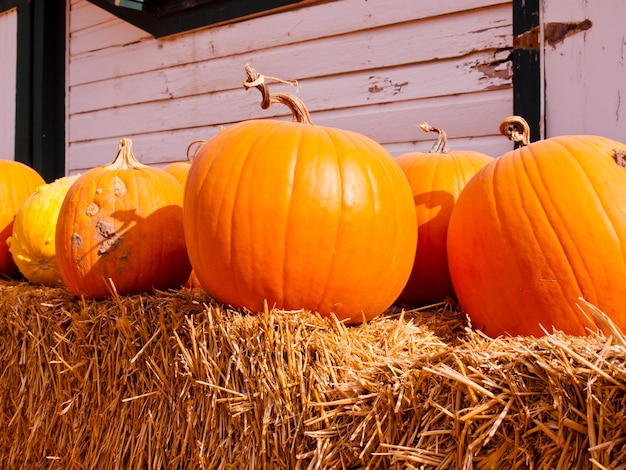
[[436, 178], [120, 227], [538, 228], [299, 216], [17, 182]]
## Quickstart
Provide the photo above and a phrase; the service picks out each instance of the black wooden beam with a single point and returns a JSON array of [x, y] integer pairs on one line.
[[527, 90], [40, 87]]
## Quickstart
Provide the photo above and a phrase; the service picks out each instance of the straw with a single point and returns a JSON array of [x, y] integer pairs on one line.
[[175, 380]]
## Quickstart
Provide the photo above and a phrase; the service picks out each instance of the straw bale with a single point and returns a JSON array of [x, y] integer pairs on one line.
[[175, 380]]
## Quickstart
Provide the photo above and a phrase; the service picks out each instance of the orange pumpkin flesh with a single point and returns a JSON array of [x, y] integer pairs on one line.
[[535, 230], [180, 170], [300, 216], [17, 182], [436, 178], [120, 227]]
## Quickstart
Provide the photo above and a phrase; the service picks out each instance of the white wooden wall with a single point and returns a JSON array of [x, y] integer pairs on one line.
[[585, 70], [8, 59], [377, 67]]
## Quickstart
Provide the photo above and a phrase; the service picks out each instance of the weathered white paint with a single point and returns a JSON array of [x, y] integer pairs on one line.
[[585, 71], [379, 68], [8, 59]]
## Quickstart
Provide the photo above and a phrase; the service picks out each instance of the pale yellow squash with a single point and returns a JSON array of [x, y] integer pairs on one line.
[[32, 241]]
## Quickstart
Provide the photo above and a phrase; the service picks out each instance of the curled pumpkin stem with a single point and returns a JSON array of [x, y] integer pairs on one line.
[[516, 129], [298, 110], [441, 144], [197, 145]]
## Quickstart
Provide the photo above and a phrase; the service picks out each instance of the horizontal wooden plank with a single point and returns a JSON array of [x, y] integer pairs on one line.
[[336, 17], [84, 15], [465, 115], [104, 36], [492, 145], [468, 117], [386, 47], [415, 81], [103, 153], [257, 37]]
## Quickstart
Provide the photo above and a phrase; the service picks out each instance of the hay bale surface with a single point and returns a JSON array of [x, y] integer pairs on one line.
[[174, 380]]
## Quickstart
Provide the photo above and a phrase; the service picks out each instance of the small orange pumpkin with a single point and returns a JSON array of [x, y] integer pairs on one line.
[[537, 229], [120, 228], [180, 170], [299, 216], [436, 178], [17, 182]]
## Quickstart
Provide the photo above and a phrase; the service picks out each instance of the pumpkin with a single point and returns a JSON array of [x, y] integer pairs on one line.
[[120, 229], [436, 178], [180, 170], [297, 216], [32, 242], [536, 230], [17, 182]]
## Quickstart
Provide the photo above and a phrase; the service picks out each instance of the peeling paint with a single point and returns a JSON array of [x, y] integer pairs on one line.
[[555, 33], [380, 84], [494, 70], [500, 68]]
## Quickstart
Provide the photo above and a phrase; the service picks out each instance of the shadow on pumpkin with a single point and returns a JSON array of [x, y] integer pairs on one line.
[[137, 254], [430, 279], [8, 268]]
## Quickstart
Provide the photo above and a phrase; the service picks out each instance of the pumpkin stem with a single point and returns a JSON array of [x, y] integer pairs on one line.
[[125, 158], [296, 106], [441, 144], [198, 145], [516, 129]]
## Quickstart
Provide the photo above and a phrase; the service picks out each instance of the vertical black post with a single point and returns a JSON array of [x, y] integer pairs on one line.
[[40, 93], [24, 85], [527, 90]]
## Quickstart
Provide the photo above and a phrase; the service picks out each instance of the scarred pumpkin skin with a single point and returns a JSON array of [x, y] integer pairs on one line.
[[300, 216], [121, 224], [17, 182], [436, 179], [535, 230]]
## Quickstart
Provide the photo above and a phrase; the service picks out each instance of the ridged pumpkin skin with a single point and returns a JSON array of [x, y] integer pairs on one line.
[[17, 182], [436, 179], [122, 222], [538, 228], [32, 242], [302, 216]]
